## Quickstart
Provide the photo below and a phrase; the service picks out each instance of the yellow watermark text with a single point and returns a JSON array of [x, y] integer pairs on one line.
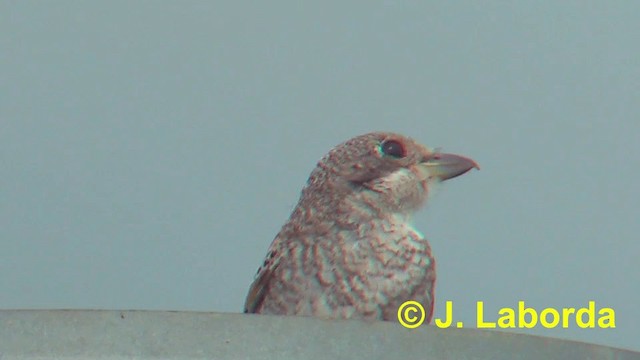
[[411, 315]]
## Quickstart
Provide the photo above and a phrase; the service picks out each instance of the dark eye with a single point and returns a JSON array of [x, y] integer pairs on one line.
[[393, 148]]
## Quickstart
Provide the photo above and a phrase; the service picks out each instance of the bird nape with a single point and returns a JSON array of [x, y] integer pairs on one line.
[[349, 250]]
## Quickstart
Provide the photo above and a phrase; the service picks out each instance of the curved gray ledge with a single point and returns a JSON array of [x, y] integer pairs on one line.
[[87, 334]]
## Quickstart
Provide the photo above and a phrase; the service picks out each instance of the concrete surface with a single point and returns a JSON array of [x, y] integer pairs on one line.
[[86, 334]]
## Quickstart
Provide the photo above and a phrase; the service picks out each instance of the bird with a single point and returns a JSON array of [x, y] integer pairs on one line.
[[349, 249]]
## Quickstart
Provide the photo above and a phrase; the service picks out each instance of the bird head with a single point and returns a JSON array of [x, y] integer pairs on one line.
[[387, 169]]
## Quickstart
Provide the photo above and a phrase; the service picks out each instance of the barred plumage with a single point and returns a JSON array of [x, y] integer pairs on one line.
[[349, 249]]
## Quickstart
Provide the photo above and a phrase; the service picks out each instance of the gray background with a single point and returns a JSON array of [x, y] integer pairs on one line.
[[150, 151]]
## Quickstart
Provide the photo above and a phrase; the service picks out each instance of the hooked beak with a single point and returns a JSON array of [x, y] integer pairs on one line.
[[445, 166]]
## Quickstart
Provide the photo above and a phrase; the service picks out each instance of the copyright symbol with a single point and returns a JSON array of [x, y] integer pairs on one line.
[[411, 314]]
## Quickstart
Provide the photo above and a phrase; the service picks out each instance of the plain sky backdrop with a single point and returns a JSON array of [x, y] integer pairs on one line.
[[151, 150]]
